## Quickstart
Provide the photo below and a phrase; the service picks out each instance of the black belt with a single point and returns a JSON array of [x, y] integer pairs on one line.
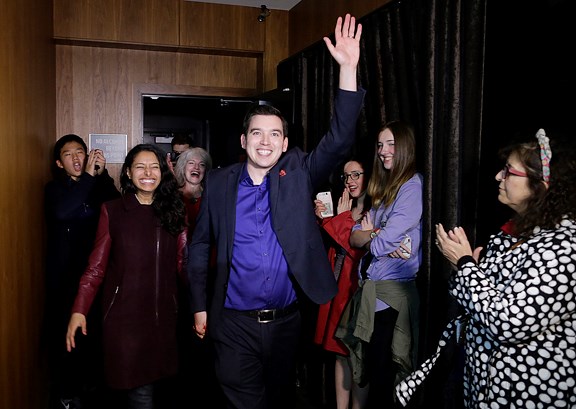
[[264, 316]]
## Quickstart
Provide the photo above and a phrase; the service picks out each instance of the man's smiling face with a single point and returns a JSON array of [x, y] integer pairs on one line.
[[265, 142]]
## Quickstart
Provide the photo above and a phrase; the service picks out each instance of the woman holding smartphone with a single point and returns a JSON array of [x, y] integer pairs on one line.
[[391, 231], [352, 206]]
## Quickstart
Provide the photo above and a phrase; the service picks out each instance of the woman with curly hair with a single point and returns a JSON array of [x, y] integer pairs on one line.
[[519, 298], [137, 259]]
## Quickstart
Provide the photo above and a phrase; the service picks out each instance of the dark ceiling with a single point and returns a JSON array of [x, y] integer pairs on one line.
[[202, 107]]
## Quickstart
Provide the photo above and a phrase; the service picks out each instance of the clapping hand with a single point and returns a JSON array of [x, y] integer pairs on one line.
[[344, 203], [454, 244]]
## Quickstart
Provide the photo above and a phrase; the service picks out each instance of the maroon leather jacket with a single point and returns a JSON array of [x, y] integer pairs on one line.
[[138, 265]]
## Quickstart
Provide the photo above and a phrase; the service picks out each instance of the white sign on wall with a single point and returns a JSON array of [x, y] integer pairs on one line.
[[114, 146]]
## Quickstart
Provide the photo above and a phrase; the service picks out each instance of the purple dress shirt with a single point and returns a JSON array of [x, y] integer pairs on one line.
[[259, 274]]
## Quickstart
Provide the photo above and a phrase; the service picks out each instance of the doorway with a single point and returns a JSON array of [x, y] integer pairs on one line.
[[213, 123]]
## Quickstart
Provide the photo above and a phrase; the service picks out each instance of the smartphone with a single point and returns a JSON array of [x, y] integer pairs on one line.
[[326, 198], [407, 242], [174, 156]]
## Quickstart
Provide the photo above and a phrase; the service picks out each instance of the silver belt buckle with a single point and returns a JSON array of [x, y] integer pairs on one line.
[[265, 316]]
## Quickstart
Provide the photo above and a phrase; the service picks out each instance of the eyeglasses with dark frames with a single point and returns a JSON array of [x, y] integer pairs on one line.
[[352, 175], [507, 171]]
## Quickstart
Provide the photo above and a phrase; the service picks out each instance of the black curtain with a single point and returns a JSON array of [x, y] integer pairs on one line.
[[467, 74]]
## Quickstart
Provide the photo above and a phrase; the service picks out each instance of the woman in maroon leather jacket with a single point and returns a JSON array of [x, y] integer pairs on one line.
[[137, 259]]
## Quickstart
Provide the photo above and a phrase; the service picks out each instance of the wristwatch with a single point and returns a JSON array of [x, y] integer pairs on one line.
[[374, 233]]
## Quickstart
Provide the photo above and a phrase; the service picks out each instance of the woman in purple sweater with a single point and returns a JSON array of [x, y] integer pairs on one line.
[[391, 231]]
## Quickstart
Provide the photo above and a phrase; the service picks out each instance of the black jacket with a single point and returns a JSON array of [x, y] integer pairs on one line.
[[72, 209], [293, 182]]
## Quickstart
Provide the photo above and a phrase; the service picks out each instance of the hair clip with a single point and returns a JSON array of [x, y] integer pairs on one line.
[[545, 153]]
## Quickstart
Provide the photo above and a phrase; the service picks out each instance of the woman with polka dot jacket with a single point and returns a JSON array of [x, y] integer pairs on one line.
[[520, 297]]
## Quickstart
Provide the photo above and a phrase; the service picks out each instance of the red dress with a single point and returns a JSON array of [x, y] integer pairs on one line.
[[192, 210], [339, 228]]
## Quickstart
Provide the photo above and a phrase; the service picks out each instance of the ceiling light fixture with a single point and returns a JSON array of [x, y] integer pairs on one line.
[[264, 12]]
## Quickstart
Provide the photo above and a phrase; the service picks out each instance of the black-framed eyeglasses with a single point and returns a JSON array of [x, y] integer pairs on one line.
[[351, 175], [507, 171]]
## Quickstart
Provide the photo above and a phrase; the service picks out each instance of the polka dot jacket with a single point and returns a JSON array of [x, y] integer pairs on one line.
[[520, 337]]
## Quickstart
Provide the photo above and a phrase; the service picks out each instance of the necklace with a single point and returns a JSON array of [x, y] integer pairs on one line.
[[144, 201]]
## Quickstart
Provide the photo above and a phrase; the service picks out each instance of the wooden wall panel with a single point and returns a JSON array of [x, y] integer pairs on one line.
[[85, 19], [178, 26], [130, 21], [276, 46], [76, 19], [310, 20], [221, 26], [27, 116], [148, 21], [98, 87]]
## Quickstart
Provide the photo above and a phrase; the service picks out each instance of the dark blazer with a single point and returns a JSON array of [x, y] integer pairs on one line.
[[293, 182]]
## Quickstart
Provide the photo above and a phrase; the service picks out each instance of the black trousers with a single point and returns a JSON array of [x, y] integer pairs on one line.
[[380, 369], [255, 362]]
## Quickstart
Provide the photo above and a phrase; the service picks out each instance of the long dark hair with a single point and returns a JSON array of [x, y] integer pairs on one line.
[[547, 204], [167, 204], [367, 172]]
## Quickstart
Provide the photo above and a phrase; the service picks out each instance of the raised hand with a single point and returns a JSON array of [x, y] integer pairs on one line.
[[346, 51], [96, 162]]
